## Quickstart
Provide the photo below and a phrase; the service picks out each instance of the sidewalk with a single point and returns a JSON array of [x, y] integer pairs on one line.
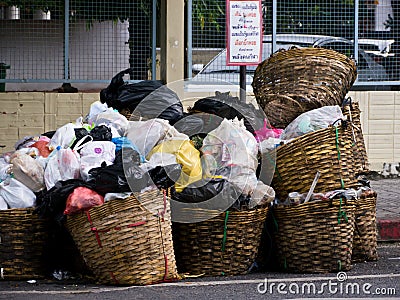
[[387, 208]]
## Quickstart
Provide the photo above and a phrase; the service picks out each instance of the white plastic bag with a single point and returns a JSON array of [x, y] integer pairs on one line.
[[96, 108], [28, 171], [63, 165], [65, 135], [312, 120], [5, 169], [16, 194], [93, 154], [147, 134], [3, 204], [118, 123]]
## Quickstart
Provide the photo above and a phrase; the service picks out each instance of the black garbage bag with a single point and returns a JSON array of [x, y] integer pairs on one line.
[[206, 189], [165, 176], [109, 95], [80, 133], [124, 175], [101, 133], [147, 98], [52, 203], [229, 107]]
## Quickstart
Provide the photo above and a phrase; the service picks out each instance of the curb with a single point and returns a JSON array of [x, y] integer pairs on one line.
[[388, 230]]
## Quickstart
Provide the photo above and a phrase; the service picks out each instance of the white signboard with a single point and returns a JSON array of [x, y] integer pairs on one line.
[[244, 32]]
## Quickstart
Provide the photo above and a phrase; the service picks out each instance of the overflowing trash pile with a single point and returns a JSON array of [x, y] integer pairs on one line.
[[212, 149]]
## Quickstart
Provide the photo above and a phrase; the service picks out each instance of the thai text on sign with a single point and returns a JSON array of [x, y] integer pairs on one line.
[[244, 32]]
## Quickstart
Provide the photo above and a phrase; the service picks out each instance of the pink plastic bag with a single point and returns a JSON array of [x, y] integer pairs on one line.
[[82, 198], [266, 132]]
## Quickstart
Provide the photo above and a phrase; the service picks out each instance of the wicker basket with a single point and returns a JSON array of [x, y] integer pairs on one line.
[[328, 151], [353, 113], [315, 237], [124, 242], [224, 245], [294, 81], [365, 232], [23, 239]]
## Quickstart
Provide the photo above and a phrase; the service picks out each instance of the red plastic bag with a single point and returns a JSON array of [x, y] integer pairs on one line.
[[41, 145], [82, 198]]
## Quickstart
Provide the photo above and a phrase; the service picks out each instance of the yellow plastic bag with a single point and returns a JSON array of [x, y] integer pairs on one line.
[[186, 155]]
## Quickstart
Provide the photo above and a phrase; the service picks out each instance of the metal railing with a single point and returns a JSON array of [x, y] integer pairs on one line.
[[366, 31], [75, 41]]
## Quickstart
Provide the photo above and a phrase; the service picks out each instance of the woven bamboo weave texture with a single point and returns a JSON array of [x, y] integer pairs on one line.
[[310, 238], [210, 248], [365, 231], [328, 151], [127, 241], [294, 81], [23, 239]]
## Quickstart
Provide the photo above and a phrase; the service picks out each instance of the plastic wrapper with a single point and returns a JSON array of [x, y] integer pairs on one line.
[[312, 120], [187, 156], [28, 171], [82, 198], [16, 194]]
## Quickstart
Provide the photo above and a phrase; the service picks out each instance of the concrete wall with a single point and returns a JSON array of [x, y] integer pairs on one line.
[[32, 113]]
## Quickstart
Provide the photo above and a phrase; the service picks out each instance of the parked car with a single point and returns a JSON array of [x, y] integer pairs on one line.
[[216, 72]]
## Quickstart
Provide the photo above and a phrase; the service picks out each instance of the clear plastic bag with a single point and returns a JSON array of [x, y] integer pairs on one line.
[[28, 170], [16, 194], [230, 144], [312, 120]]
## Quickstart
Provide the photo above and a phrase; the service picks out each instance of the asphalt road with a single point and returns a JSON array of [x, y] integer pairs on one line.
[[379, 279]]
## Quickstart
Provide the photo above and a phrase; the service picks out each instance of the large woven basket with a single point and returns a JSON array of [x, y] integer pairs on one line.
[[315, 237], [127, 241], [224, 245], [365, 232], [294, 81], [23, 239], [353, 113], [327, 151]]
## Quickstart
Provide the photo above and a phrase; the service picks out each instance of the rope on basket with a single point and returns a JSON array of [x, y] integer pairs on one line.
[[225, 229]]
